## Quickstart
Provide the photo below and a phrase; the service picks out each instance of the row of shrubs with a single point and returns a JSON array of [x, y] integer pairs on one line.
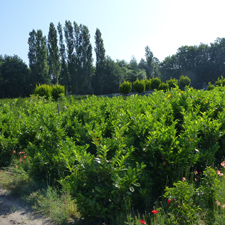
[[152, 84], [54, 91], [220, 82]]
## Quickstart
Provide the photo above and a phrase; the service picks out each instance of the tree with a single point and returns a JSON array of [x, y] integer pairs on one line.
[[53, 54], [64, 78], [98, 79], [69, 36], [149, 62], [38, 58], [184, 81], [14, 78]]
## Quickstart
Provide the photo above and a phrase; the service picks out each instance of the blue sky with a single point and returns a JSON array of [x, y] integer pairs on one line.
[[127, 26]]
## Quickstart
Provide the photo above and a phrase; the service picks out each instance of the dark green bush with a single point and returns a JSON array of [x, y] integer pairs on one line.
[[163, 86], [43, 90], [147, 84], [155, 82], [184, 81], [139, 85], [57, 91], [126, 87], [210, 86], [172, 83]]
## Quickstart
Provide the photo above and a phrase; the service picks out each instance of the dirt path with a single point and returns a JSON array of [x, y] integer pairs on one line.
[[14, 211]]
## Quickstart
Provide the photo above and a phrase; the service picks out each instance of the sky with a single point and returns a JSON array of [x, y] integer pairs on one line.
[[127, 26]]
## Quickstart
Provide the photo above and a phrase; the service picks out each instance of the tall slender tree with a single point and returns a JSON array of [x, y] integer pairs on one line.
[[53, 54], [69, 36], [38, 58], [98, 79], [64, 77], [149, 61]]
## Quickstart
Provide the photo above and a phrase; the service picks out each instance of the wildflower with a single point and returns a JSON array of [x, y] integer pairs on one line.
[[1, 171], [223, 164], [21, 160], [223, 206], [14, 152], [24, 157], [196, 150], [183, 179], [169, 95], [196, 179], [155, 211], [196, 172], [142, 221], [218, 203], [218, 173]]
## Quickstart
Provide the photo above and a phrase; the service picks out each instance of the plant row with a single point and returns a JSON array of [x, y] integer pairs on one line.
[[153, 84], [114, 154]]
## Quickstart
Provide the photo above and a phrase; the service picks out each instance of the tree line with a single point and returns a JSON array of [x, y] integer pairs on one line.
[[65, 57]]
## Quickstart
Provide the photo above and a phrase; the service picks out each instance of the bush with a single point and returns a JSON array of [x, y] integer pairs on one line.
[[43, 90], [125, 87], [155, 82], [220, 81], [139, 85], [172, 83], [163, 86], [210, 86], [184, 81], [57, 91], [147, 84]]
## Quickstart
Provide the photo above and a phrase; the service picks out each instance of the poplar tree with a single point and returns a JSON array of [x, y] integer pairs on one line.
[[53, 54], [38, 57], [98, 79], [69, 36], [64, 77]]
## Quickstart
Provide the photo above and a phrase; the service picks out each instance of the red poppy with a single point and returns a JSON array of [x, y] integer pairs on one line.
[[168, 201], [24, 157], [142, 221], [155, 211]]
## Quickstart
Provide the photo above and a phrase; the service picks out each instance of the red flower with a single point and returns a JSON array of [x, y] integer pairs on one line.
[[183, 179], [24, 157], [155, 211], [1, 171], [196, 172], [21, 160], [142, 221], [14, 152]]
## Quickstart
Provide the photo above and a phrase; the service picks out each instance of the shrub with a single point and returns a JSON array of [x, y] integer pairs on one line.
[[125, 87], [210, 86], [220, 81], [163, 86], [57, 91], [172, 83], [139, 85], [147, 84], [184, 81], [155, 82], [43, 90]]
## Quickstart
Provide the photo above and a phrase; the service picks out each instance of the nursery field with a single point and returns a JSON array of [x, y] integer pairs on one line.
[[122, 155]]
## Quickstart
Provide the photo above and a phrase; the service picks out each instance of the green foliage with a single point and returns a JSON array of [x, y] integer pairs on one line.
[[125, 87], [184, 81], [172, 83], [155, 82], [139, 85], [210, 86], [43, 90], [220, 81], [147, 84], [163, 86], [57, 91]]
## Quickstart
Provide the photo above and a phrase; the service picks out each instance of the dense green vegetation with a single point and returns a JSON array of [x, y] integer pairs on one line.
[[114, 154]]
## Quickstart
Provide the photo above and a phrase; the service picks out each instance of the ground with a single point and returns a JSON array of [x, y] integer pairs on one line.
[[15, 211]]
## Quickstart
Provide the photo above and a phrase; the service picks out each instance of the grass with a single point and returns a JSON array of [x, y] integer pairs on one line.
[[45, 200]]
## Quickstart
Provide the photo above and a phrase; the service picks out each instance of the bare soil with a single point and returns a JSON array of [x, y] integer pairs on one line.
[[15, 211]]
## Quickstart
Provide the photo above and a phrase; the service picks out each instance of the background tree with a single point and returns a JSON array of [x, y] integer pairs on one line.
[[15, 80], [64, 78], [38, 58], [149, 61], [53, 54], [98, 78]]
